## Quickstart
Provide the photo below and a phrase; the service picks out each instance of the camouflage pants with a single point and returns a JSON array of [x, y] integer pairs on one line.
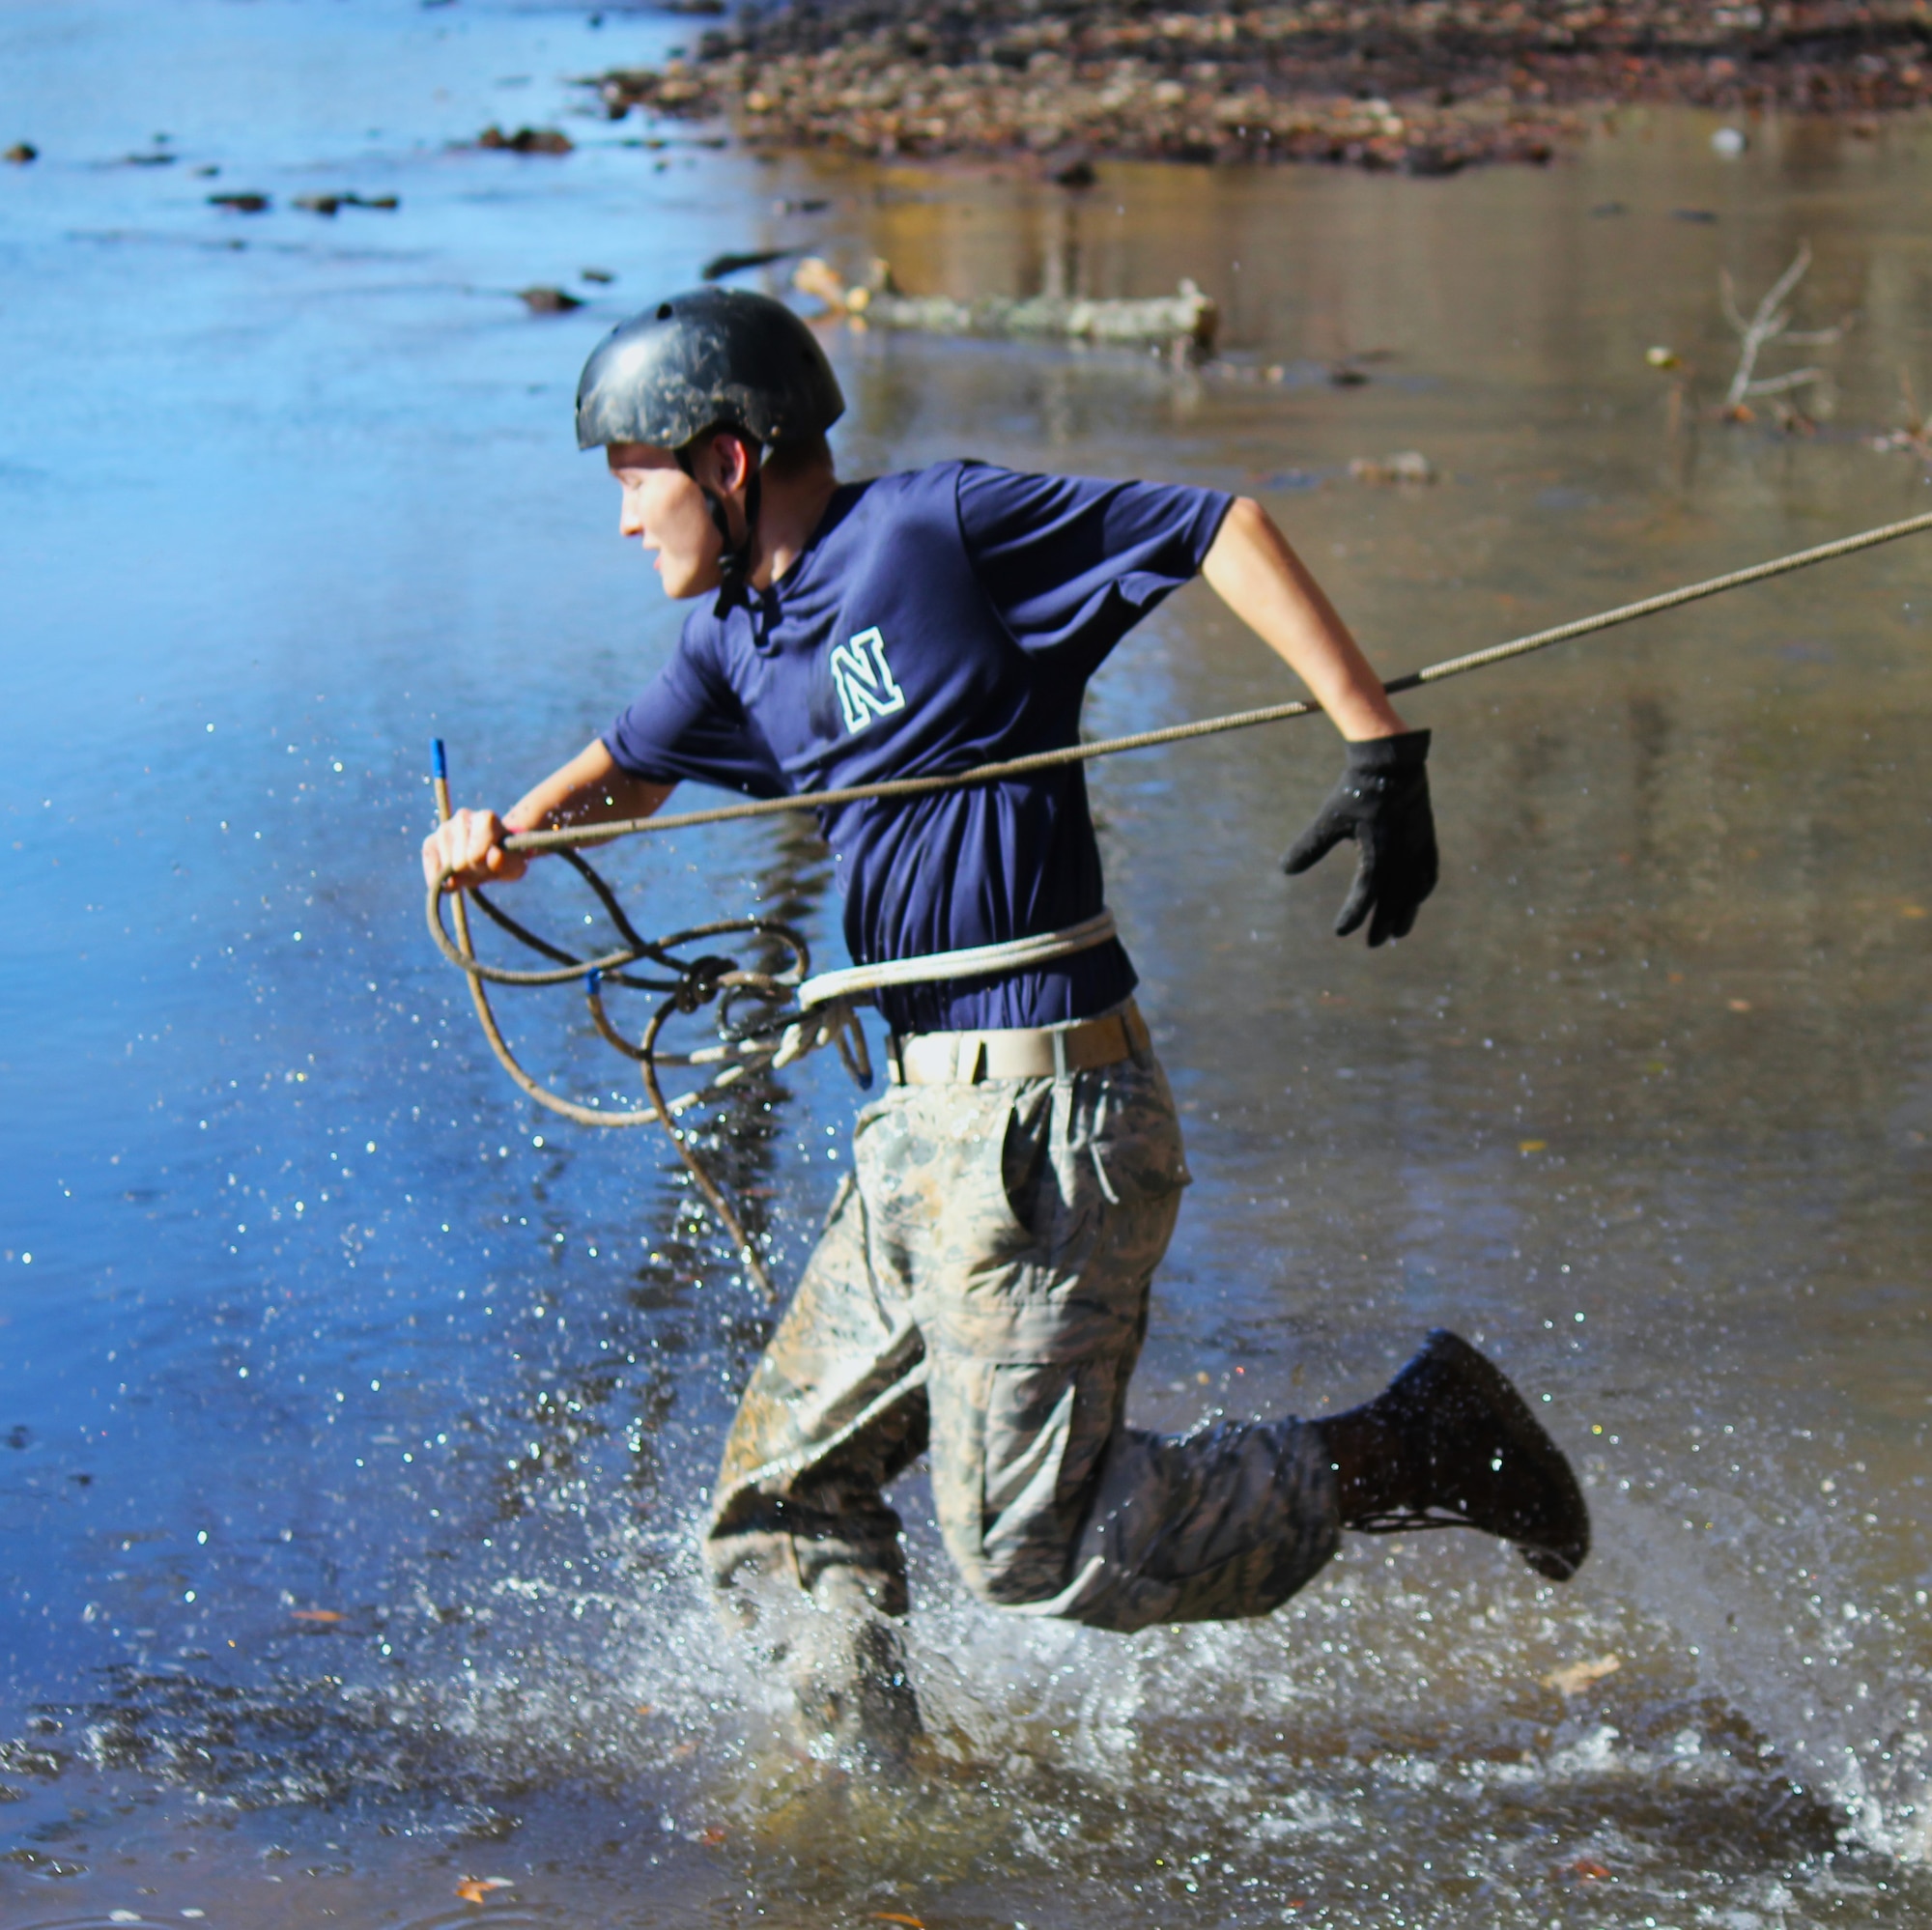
[[981, 1290]]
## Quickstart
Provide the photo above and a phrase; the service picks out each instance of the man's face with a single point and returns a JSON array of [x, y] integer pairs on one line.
[[666, 511]]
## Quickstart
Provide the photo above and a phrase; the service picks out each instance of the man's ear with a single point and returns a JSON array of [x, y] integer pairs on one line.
[[733, 461]]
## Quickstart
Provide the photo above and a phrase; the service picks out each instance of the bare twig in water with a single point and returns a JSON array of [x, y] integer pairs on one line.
[[1916, 437], [1770, 322]]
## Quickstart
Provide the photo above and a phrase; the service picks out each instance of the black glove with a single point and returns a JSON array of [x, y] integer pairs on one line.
[[1383, 803]]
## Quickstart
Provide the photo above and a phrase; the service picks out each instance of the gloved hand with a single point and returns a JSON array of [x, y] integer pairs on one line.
[[1381, 802]]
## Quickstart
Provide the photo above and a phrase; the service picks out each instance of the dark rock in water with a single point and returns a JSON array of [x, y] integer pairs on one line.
[[597, 275], [548, 300], [1346, 375], [241, 204], [720, 266], [149, 160], [21, 152], [527, 140], [1692, 215], [812, 204], [1073, 169], [1604, 209], [207, 173], [327, 204], [1426, 159]]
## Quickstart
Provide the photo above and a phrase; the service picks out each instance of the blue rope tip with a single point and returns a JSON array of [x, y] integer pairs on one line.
[[439, 764], [592, 980]]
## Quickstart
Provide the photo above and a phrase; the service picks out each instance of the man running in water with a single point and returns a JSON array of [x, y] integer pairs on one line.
[[979, 1293]]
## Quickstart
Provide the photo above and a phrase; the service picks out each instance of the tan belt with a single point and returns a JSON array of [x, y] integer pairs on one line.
[[1027, 1052]]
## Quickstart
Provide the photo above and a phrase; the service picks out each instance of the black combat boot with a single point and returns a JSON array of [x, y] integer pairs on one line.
[[851, 1692], [1461, 1450], [851, 1688]]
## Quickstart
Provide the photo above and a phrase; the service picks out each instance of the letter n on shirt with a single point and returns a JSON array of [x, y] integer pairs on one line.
[[863, 680]]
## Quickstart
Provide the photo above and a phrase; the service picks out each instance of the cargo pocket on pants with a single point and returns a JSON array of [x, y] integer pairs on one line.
[[1046, 1423]]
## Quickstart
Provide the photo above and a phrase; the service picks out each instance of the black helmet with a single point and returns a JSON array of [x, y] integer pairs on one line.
[[710, 357]]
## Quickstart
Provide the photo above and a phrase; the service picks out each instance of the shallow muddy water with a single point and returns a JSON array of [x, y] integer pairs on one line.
[[355, 1417]]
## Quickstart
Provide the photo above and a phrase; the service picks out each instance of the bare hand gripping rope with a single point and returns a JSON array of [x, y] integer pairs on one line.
[[791, 1013]]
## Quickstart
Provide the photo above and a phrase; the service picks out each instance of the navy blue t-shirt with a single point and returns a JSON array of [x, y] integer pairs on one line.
[[936, 620]]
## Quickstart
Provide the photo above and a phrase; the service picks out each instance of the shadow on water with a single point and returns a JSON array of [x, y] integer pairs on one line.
[[358, 1419], [737, 1136]]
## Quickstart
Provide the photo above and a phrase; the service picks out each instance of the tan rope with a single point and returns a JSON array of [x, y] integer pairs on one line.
[[658, 1113], [1210, 727]]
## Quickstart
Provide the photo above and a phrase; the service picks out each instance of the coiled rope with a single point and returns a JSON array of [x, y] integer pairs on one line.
[[782, 1024]]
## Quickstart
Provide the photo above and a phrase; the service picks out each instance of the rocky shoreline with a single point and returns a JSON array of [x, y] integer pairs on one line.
[[1429, 87]]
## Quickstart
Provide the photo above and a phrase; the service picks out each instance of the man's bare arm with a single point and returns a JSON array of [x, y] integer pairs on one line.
[[1381, 801], [589, 790], [1251, 568]]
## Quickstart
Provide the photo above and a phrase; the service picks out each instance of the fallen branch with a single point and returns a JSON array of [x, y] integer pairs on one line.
[[1186, 320]]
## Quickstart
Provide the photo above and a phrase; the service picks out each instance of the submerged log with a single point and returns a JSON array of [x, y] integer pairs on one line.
[[1187, 317]]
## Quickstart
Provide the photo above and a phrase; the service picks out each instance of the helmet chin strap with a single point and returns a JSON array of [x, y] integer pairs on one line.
[[734, 559]]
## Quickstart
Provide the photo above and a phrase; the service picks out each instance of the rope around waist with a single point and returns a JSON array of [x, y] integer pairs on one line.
[[973, 961]]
